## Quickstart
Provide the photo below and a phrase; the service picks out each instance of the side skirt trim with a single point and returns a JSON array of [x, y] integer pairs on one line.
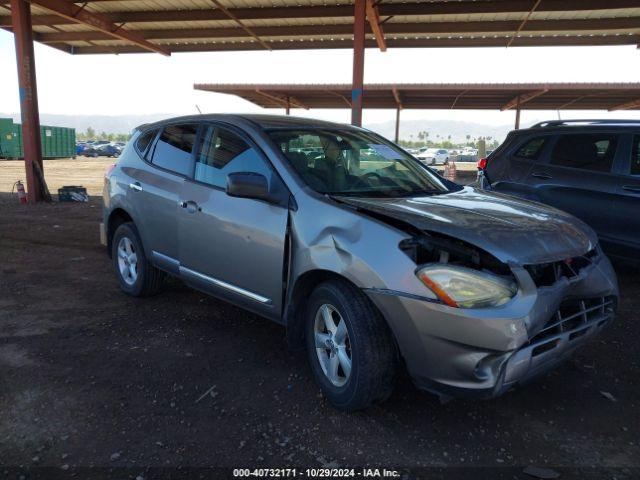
[[227, 286]]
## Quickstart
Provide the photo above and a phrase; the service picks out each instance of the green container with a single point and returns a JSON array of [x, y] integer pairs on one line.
[[57, 142]]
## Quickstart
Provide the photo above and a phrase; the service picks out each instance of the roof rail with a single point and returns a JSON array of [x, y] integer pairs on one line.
[[556, 123]]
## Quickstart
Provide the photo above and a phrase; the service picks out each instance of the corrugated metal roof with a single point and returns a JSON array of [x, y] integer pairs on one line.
[[199, 25]]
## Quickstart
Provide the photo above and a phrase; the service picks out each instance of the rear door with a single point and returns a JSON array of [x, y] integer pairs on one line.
[[154, 190], [623, 234], [232, 247], [578, 177]]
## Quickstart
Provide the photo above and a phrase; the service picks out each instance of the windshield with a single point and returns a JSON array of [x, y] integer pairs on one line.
[[354, 163]]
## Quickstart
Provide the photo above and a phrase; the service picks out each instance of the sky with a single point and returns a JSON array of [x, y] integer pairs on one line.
[[151, 83]]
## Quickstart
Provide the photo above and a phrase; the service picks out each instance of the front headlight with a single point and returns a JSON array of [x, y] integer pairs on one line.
[[466, 288]]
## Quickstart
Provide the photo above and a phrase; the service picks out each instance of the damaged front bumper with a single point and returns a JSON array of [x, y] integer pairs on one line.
[[485, 352]]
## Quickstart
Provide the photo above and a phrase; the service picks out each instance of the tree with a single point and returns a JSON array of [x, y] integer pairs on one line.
[[91, 133]]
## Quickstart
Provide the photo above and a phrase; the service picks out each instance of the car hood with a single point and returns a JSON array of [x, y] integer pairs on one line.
[[514, 231]]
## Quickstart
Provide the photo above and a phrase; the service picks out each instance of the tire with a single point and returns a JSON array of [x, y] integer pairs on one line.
[[147, 279], [369, 346]]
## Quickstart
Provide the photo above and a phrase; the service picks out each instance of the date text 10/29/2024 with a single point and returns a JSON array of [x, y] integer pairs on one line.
[[316, 473]]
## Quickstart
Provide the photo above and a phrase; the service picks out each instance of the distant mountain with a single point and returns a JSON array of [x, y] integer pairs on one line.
[[457, 129], [125, 123], [100, 123]]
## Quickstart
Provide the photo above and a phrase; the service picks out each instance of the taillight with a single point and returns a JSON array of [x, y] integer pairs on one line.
[[482, 164]]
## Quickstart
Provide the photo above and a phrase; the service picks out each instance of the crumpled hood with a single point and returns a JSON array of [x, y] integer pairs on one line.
[[513, 230]]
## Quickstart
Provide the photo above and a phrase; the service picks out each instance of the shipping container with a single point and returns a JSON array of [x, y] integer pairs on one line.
[[57, 142]]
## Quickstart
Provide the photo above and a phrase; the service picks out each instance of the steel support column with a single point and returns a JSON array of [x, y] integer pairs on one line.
[[21, 22], [357, 86], [397, 137], [517, 127], [288, 107]]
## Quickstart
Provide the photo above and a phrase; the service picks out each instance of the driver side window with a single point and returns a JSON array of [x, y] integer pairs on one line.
[[221, 152]]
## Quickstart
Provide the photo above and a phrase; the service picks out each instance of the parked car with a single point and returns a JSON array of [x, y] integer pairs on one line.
[[90, 151], [590, 169], [80, 147], [371, 263], [433, 156], [109, 150]]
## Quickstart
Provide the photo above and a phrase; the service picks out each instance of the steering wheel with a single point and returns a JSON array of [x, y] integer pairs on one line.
[[372, 174]]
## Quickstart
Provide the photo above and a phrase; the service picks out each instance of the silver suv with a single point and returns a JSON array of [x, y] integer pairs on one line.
[[368, 258]]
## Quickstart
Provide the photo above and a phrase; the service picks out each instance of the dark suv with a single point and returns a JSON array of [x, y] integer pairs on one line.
[[589, 168]]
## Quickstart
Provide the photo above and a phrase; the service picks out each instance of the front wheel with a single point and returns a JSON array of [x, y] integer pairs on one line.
[[350, 347], [136, 275]]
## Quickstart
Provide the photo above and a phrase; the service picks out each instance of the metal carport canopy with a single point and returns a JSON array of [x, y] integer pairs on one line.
[[167, 26], [218, 25], [471, 96], [481, 96]]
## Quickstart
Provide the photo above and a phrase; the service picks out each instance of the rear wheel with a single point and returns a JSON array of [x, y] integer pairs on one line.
[[350, 348], [137, 277]]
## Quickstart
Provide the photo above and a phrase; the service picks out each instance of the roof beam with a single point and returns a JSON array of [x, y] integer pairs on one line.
[[536, 3], [373, 16], [458, 97], [229, 14], [626, 106], [346, 11], [285, 102], [370, 43], [77, 14], [339, 95], [521, 99], [346, 29]]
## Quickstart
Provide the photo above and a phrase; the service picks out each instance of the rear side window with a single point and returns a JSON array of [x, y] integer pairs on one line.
[[635, 157], [144, 140], [173, 148], [222, 152], [585, 151], [531, 150]]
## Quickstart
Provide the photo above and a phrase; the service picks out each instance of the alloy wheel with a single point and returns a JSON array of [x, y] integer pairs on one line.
[[333, 345], [127, 261]]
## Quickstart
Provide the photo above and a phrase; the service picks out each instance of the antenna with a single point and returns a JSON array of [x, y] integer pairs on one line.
[[198, 108]]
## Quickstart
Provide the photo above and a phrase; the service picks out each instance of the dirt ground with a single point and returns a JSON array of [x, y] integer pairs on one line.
[[88, 172], [180, 384]]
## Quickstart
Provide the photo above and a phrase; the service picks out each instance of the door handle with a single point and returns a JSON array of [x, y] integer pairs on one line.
[[135, 186], [544, 176], [631, 188], [190, 206]]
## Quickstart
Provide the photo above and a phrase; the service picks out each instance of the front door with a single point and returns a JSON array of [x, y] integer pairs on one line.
[[232, 247]]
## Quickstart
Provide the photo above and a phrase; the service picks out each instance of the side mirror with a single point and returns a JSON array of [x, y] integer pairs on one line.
[[248, 185]]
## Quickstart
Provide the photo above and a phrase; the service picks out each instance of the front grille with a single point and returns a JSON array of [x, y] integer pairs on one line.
[[545, 274], [574, 314]]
